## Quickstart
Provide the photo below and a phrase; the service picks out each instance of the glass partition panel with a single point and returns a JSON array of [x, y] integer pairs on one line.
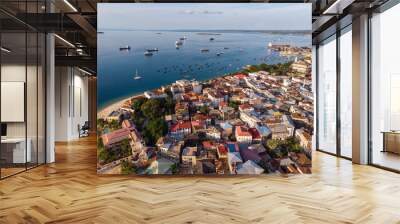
[[346, 92], [327, 95], [31, 98], [13, 94], [385, 89]]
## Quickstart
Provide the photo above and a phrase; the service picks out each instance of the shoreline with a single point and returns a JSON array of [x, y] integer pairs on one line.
[[105, 111]]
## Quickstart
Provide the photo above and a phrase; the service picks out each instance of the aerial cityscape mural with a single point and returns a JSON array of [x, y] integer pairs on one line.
[[204, 89]]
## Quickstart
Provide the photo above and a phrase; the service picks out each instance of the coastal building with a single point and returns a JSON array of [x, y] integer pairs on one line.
[[242, 134], [255, 135], [213, 133], [263, 130], [116, 137], [248, 154], [156, 94], [222, 151], [234, 159], [300, 67], [250, 118], [189, 155], [215, 97], [197, 87], [181, 129], [198, 126], [304, 137], [182, 110], [279, 131], [202, 118], [250, 168], [228, 113]]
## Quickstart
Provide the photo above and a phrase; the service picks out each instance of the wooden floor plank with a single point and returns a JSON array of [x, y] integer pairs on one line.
[[70, 191]]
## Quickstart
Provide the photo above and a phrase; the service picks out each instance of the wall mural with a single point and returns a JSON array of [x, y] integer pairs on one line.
[[204, 89]]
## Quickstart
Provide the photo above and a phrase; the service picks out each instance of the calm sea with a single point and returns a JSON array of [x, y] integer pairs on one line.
[[116, 68]]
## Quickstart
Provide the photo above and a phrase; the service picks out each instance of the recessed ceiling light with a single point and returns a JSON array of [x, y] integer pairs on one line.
[[70, 5], [84, 71], [64, 40], [5, 50]]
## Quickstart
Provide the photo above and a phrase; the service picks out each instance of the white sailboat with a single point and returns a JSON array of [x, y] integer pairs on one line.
[[137, 76]]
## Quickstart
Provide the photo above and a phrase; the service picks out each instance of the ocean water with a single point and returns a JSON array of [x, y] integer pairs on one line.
[[116, 68]]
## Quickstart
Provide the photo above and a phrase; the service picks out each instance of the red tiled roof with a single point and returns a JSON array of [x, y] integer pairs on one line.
[[241, 131], [115, 136], [240, 75], [180, 126], [254, 133], [222, 149], [198, 123], [200, 117], [207, 144], [244, 106]]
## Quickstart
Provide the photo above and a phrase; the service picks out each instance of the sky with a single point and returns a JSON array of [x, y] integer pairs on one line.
[[204, 16]]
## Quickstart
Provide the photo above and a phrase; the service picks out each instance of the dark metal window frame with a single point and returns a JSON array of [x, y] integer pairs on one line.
[[339, 32], [381, 9], [389, 4], [28, 29]]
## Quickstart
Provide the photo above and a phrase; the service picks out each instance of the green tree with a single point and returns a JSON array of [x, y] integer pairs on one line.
[[152, 109], [169, 105], [204, 110], [106, 155], [155, 129], [138, 119], [137, 103], [174, 168], [127, 168], [101, 123], [125, 148], [114, 124], [100, 143], [234, 104], [274, 144]]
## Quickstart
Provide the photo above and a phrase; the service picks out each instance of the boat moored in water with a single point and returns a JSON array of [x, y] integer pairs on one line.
[[152, 50], [148, 53], [126, 48], [178, 42], [137, 76]]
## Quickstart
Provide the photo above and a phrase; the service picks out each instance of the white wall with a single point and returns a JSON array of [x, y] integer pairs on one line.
[[71, 102], [33, 126]]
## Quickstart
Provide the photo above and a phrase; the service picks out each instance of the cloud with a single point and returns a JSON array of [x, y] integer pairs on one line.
[[201, 12]]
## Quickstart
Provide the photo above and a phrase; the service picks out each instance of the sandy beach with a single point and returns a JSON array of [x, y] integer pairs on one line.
[[114, 106]]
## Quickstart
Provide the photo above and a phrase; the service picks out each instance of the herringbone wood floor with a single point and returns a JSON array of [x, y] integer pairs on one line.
[[69, 191]]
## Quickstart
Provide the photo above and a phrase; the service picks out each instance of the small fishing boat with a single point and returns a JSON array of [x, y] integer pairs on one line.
[[211, 39], [204, 50], [126, 48], [178, 42], [148, 53], [152, 50]]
